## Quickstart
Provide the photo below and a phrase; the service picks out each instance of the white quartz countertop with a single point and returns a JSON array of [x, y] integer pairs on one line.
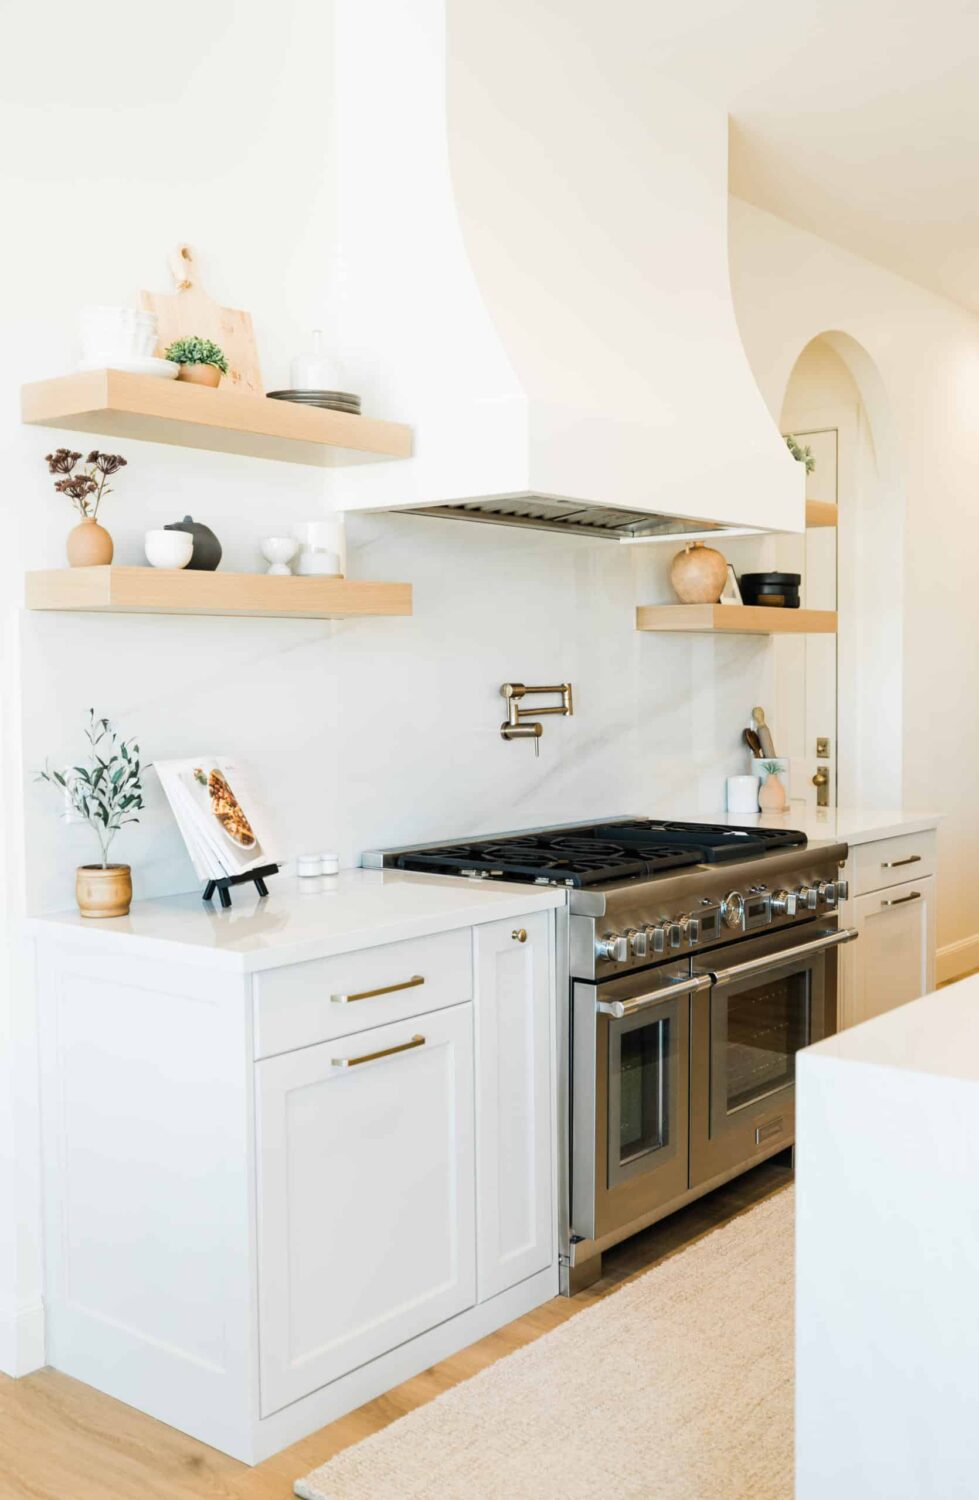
[[937, 1035], [833, 825], [300, 920]]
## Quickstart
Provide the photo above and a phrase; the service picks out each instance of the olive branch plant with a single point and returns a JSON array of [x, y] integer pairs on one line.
[[106, 792]]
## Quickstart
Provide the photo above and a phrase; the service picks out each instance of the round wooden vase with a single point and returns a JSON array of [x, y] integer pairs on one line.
[[698, 574], [104, 892], [771, 794], [200, 374], [89, 545]]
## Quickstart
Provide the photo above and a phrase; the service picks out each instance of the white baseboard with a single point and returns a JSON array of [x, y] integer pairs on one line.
[[22, 1339], [956, 959]]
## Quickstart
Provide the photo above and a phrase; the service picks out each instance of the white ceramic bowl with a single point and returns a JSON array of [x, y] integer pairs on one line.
[[168, 549]]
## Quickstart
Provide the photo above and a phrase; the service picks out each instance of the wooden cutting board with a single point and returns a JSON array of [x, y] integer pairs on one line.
[[189, 311]]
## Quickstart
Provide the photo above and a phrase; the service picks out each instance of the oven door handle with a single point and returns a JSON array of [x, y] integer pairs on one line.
[[619, 1009], [787, 955]]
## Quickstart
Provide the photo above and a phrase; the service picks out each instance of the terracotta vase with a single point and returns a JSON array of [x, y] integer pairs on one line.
[[89, 545], [200, 374], [104, 892], [771, 795], [698, 574]]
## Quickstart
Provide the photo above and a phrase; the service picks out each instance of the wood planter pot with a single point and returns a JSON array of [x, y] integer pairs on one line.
[[200, 374], [104, 892]]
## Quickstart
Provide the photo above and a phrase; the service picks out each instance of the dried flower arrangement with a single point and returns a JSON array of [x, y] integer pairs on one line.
[[81, 485]]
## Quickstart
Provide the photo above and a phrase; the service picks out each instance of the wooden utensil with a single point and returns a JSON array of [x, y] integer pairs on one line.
[[754, 744], [189, 310], [764, 733]]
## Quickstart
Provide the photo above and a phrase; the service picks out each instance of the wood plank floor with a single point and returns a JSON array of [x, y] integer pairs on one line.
[[61, 1440]]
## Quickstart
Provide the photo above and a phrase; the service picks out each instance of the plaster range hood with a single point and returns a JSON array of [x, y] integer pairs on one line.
[[532, 270]]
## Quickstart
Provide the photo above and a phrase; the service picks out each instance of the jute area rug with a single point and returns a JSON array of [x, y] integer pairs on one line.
[[677, 1387]]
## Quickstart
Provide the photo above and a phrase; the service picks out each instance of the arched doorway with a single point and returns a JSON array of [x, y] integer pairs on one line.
[[846, 690]]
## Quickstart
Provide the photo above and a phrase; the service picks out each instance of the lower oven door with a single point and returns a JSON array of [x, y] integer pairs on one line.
[[630, 1098], [767, 1000]]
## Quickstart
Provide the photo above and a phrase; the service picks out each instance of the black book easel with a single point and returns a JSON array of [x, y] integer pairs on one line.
[[223, 886]]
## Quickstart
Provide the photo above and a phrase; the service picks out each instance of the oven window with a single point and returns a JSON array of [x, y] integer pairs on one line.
[[766, 1026], [642, 1125]]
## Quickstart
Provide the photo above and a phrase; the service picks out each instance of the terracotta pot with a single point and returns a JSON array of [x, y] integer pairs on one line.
[[698, 574], [88, 545], [200, 374], [771, 795], [103, 892]]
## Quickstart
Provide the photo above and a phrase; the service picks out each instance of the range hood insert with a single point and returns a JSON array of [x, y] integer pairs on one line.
[[532, 271]]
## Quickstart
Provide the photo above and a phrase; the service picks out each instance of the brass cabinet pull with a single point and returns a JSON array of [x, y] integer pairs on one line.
[[895, 864], [355, 1062], [519, 934], [900, 900], [387, 989]]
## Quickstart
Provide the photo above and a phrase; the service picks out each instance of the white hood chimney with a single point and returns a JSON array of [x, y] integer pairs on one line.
[[533, 273]]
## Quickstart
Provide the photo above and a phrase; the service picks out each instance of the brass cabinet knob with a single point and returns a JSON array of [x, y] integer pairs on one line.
[[519, 934]]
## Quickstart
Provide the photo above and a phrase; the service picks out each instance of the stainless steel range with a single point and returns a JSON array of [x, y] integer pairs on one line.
[[700, 959]]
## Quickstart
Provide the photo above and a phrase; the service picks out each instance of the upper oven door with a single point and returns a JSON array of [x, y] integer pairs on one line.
[[767, 1000], [630, 1102]]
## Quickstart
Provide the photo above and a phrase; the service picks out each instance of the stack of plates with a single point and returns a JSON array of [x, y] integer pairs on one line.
[[331, 400]]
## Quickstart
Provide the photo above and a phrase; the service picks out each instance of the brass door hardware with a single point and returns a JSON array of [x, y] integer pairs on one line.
[[900, 900], [355, 1062], [514, 727], [821, 782], [519, 934], [895, 864], [822, 748], [387, 989]]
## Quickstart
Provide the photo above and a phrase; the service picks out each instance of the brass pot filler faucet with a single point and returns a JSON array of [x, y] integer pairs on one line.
[[514, 727]]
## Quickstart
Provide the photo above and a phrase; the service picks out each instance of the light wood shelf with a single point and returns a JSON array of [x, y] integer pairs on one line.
[[114, 404], [743, 619], [177, 591], [821, 513]]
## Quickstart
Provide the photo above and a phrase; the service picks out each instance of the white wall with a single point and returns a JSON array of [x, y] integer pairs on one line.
[[789, 287], [363, 733]]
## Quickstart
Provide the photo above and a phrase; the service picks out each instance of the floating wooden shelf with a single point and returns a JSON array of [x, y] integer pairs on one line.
[[743, 619], [821, 513], [225, 420], [176, 591]]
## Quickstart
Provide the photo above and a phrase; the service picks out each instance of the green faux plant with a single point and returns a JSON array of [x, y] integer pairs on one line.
[[800, 454], [106, 792], [771, 767], [196, 351]]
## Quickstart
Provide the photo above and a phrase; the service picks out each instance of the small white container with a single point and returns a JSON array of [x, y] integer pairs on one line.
[[308, 866], [109, 333], [168, 549], [324, 547], [314, 371], [330, 863], [278, 552], [742, 794]]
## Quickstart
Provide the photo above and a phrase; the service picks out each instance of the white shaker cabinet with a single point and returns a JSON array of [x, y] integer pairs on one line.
[[365, 1197], [893, 958], [514, 1052]]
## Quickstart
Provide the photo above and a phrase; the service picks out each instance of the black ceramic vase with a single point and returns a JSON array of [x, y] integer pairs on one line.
[[207, 549]]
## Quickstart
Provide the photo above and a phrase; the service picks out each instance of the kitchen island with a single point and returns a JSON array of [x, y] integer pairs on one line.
[[887, 1144]]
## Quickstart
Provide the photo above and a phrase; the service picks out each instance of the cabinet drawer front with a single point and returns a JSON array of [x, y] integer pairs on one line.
[[887, 862], [894, 956], [366, 1215], [302, 1004]]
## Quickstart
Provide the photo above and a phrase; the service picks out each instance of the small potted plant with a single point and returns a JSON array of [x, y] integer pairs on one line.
[[89, 544], [200, 360], [771, 794], [800, 454], [106, 793]]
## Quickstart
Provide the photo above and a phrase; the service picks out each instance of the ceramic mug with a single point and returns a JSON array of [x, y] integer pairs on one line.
[[742, 794], [168, 549]]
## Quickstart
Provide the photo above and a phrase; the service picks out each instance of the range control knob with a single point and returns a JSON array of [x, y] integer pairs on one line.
[[656, 937], [674, 934], [638, 942], [785, 904], [842, 890], [732, 910], [614, 946], [808, 897], [826, 892], [690, 927]]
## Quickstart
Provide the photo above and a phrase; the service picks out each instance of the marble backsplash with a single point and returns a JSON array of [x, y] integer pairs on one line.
[[377, 732]]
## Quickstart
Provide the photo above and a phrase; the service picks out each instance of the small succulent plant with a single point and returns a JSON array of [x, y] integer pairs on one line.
[[81, 485], [771, 767], [197, 351], [800, 454]]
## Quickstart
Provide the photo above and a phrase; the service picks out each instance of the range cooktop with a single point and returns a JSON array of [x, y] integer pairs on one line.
[[595, 853]]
